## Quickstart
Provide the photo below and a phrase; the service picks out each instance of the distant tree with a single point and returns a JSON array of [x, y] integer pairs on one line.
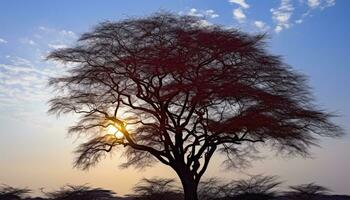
[[257, 187], [210, 189], [11, 193], [157, 189], [71, 192], [178, 91], [309, 191]]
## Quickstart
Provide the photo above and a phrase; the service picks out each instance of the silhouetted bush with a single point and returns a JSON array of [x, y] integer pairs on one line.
[[11, 193], [309, 191], [71, 192], [157, 189], [209, 189], [257, 187]]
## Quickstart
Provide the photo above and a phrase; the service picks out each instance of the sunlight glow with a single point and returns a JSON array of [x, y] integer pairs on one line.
[[111, 129]]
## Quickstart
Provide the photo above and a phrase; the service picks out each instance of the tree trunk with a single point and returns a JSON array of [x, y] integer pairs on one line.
[[189, 184], [190, 190]]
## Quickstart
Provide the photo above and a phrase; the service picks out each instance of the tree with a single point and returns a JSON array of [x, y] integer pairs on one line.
[[157, 188], [256, 187], [210, 189], [309, 191], [82, 192], [11, 193], [170, 89]]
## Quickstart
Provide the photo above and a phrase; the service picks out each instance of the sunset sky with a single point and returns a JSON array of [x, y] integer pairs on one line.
[[35, 151]]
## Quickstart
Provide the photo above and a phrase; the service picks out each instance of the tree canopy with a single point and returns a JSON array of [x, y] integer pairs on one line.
[[12, 193], [179, 91], [80, 192]]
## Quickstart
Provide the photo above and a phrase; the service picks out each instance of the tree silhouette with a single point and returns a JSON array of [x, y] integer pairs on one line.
[[179, 91], [82, 192], [210, 189], [309, 191], [11, 193], [256, 187], [157, 189]]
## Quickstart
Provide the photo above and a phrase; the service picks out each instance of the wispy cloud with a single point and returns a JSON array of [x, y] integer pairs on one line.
[[314, 5], [28, 41], [206, 15], [260, 25], [239, 15], [241, 3], [57, 46], [330, 3], [22, 83], [211, 13], [282, 15], [202, 13], [18, 61], [23, 80], [321, 4], [62, 32], [68, 33], [59, 33], [3, 41]]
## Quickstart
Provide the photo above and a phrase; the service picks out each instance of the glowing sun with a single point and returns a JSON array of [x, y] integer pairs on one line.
[[111, 129]]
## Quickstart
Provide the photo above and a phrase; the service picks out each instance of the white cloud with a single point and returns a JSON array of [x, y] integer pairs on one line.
[[204, 23], [330, 3], [22, 81], [321, 4], [28, 41], [239, 15], [63, 32], [261, 25], [31, 42], [194, 12], [313, 3], [57, 46], [278, 29], [241, 3], [299, 21], [68, 33], [211, 13], [203, 13], [15, 60], [312, 6], [282, 15], [3, 41], [45, 29]]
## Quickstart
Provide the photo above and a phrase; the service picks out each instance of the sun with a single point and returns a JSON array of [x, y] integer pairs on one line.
[[111, 129]]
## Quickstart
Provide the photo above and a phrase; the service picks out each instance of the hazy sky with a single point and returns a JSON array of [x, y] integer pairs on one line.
[[311, 35]]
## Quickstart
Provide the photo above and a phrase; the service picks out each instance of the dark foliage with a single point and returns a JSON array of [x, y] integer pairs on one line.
[[179, 92], [71, 192], [157, 188], [256, 187], [309, 191], [210, 189], [11, 193]]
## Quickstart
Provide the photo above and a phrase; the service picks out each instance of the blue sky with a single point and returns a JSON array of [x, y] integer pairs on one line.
[[311, 35]]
